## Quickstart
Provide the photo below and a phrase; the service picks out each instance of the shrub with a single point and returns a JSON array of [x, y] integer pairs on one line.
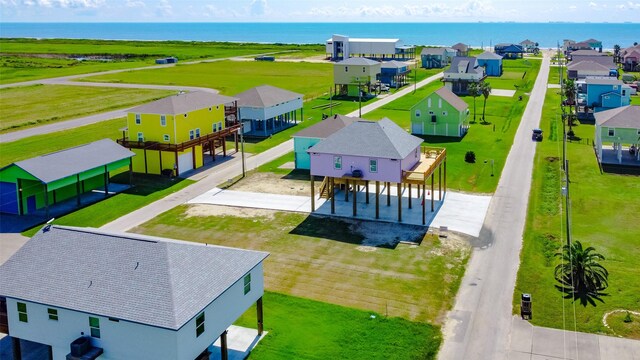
[[470, 157], [627, 318]]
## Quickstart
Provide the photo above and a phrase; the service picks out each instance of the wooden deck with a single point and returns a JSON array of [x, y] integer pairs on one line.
[[430, 159]]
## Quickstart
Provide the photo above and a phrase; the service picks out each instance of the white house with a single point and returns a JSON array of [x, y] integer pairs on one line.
[[265, 110], [130, 296]]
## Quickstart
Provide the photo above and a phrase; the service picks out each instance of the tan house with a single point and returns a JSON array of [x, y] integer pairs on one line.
[[354, 75]]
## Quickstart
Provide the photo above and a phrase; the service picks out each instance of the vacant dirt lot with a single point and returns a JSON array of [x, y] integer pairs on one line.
[[267, 182]]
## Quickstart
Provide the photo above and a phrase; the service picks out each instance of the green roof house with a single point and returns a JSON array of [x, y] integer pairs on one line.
[[35, 184], [441, 113]]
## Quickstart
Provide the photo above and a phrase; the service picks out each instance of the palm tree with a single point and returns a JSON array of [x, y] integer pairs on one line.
[[616, 53], [474, 91], [580, 274], [570, 94], [485, 90]]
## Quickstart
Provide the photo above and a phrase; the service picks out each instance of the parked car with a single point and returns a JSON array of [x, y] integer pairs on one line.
[[537, 135], [384, 87]]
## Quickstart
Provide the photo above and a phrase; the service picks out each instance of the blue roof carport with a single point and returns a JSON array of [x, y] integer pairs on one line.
[[34, 184]]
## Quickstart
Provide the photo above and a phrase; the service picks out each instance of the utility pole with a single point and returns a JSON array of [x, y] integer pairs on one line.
[[568, 202], [330, 102], [415, 78], [242, 147], [359, 100]]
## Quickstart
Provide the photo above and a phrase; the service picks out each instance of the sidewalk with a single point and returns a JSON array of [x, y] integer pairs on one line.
[[533, 342]]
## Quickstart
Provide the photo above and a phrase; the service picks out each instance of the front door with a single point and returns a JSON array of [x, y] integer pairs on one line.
[[31, 204]]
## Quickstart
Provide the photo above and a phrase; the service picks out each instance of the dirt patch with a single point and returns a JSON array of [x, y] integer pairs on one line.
[[273, 184], [218, 210]]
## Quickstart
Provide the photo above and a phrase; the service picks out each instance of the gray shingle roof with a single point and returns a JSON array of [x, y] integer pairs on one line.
[[587, 65], [136, 278], [58, 165], [433, 51], [326, 127], [587, 53], [470, 65], [460, 47], [380, 139], [627, 117], [452, 99], [488, 56], [266, 96], [183, 103], [597, 81], [393, 64], [357, 61]]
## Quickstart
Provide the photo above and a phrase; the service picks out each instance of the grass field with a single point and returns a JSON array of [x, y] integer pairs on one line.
[[604, 211], [489, 142], [306, 329], [233, 77], [44, 144], [147, 189], [28, 106], [324, 259], [32, 59]]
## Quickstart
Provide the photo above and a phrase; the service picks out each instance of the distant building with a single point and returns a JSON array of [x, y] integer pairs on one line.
[[88, 293], [462, 72], [619, 127], [509, 51], [600, 94], [394, 73], [441, 113], [528, 45], [438, 57], [355, 75], [341, 47], [491, 62], [265, 110]]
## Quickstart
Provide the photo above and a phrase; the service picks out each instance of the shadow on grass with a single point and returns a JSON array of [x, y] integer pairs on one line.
[[299, 174], [440, 139], [145, 184], [359, 232], [585, 297]]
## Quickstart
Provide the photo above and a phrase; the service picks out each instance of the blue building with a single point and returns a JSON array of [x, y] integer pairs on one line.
[[394, 73], [491, 62], [600, 94], [509, 51]]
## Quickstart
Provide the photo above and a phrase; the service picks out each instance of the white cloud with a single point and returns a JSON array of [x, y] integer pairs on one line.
[[593, 5], [258, 7], [164, 8], [70, 4], [629, 5], [212, 11], [135, 4], [472, 8]]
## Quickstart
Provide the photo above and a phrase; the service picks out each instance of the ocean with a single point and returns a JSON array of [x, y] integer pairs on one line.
[[474, 34]]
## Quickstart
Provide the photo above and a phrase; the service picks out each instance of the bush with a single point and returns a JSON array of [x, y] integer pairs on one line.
[[470, 157], [627, 318]]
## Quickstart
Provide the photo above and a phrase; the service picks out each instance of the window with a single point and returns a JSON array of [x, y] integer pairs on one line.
[[185, 115], [417, 113], [166, 137], [209, 109], [247, 283], [612, 132], [163, 120], [615, 87], [624, 92], [444, 113], [346, 69], [191, 135], [197, 133], [138, 120], [53, 314], [431, 112], [140, 136], [199, 324], [217, 107], [364, 69], [337, 162], [373, 166], [429, 102], [22, 312], [219, 125], [215, 127], [94, 324], [440, 103]]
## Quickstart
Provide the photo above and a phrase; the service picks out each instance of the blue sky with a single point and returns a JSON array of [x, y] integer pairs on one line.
[[319, 10]]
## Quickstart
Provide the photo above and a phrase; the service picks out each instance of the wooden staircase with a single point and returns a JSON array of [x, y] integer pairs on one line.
[[324, 188]]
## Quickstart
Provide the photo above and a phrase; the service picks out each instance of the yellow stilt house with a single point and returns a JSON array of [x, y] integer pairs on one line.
[[173, 135]]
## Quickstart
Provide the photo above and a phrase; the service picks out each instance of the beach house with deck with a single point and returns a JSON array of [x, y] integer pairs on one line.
[[354, 76], [462, 72], [172, 135], [341, 47], [265, 110]]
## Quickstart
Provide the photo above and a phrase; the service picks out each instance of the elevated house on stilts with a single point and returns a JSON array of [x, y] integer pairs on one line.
[[368, 153]]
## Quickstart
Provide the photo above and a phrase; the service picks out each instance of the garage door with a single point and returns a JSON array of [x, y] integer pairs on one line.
[[416, 127], [8, 198], [185, 162]]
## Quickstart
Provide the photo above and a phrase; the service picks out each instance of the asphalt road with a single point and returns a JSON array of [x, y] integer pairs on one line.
[[479, 325]]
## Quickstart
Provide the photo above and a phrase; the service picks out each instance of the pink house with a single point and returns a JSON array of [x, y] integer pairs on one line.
[[367, 150]]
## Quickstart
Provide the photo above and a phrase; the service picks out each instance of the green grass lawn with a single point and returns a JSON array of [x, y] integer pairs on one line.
[[489, 142], [23, 61], [44, 144], [233, 77], [604, 215], [324, 259], [306, 329], [28, 106], [147, 189]]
